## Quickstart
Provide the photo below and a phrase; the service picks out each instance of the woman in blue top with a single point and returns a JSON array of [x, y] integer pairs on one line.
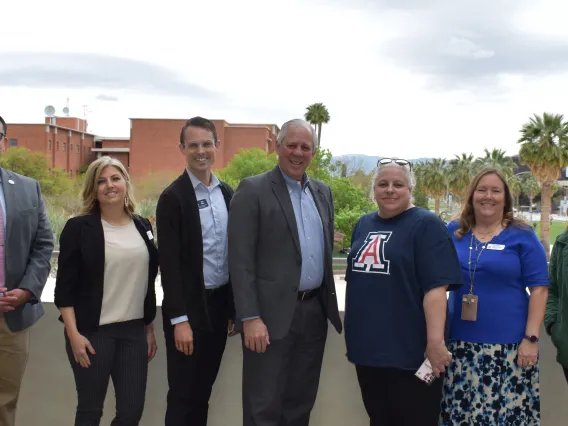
[[494, 379], [402, 260]]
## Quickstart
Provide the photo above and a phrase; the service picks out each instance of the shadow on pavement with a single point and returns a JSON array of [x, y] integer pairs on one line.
[[48, 395]]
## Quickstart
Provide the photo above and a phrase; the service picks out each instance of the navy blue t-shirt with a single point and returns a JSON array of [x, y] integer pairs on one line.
[[392, 264]]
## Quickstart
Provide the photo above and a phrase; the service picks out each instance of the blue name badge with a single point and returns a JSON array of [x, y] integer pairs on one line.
[[202, 204]]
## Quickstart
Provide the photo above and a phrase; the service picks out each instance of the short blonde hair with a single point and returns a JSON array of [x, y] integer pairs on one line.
[[90, 185]]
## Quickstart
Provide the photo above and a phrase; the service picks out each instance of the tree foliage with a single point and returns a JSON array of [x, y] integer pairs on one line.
[[35, 165]]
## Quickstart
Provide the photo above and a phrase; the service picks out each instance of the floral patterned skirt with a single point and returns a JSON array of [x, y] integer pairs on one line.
[[484, 386]]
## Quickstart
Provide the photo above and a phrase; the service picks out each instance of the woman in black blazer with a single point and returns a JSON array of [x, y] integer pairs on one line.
[[108, 263]]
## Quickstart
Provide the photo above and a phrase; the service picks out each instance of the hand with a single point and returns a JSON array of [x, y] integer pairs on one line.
[[183, 336], [7, 301], [151, 340], [81, 346], [439, 357], [231, 329], [256, 335], [527, 355]]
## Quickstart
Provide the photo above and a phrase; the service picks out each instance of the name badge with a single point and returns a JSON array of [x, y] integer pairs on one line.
[[202, 204], [150, 236], [495, 246]]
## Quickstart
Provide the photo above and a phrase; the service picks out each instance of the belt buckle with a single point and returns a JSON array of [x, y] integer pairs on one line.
[[304, 294]]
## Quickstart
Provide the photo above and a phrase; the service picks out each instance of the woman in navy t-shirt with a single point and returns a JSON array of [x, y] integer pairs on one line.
[[494, 379], [402, 260]]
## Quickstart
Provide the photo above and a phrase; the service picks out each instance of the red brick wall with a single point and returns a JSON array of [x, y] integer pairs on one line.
[[115, 143], [238, 138], [30, 136], [68, 122], [154, 146]]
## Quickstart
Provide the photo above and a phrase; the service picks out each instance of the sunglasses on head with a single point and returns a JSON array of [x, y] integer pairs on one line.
[[397, 161]]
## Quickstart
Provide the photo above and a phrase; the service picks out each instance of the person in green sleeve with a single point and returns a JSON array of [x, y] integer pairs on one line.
[[555, 320]]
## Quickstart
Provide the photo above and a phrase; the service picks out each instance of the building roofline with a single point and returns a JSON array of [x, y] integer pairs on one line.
[[51, 125], [106, 138]]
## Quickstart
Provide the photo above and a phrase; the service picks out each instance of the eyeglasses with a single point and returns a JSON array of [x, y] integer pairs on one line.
[[194, 146], [397, 161], [2, 136]]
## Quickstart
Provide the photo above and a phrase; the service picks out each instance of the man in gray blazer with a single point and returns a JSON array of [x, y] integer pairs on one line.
[[280, 261], [26, 244]]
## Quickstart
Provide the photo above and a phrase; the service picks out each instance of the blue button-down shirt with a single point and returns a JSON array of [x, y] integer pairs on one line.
[[214, 216], [310, 232], [214, 219]]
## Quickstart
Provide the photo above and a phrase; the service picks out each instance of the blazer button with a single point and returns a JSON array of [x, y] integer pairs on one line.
[[295, 289]]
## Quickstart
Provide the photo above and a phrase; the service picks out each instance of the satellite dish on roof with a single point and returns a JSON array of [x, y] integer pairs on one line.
[[49, 111], [66, 111]]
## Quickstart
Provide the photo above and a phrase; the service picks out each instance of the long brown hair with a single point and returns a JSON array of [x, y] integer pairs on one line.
[[90, 185], [467, 216]]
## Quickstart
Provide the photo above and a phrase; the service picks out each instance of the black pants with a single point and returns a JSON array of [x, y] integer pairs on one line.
[[280, 385], [191, 377], [121, 354], [394, 397]]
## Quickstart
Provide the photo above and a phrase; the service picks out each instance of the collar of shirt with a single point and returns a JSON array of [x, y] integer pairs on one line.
[[294, 184], [196, 182]]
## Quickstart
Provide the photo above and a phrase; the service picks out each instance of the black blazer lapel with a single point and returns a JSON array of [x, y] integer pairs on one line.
[[93, 246], [281, 191]]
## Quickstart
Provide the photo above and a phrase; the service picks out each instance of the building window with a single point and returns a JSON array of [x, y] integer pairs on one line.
[[70, 147], [64, 146], [78, 149], [13, 142], [49, 145]]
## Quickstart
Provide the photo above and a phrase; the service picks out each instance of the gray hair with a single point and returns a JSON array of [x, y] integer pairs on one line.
[[410, 179], [297, 122]]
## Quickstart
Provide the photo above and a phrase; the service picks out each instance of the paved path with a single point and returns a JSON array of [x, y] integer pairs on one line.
[[48, 395]]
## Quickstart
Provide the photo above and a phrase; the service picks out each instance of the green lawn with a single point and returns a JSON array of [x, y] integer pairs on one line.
[[556, 228]]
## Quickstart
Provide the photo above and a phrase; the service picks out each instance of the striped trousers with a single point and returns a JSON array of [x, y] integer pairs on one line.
[[121, 354]]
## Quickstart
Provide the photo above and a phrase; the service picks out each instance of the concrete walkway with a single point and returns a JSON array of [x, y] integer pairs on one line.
[[48, 395]]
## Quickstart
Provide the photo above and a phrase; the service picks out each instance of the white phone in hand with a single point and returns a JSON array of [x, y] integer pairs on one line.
[[425, 372]]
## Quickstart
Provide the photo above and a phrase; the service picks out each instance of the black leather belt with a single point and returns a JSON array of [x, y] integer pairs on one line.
[[308, 294], [216, 291]]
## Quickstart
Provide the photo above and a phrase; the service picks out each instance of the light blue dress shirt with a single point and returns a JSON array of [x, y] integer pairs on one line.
[[214, 217], [310, 232]]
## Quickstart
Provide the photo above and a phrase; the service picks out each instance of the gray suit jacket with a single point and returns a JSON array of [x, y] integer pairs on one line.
[[264, 252], [28, 246]]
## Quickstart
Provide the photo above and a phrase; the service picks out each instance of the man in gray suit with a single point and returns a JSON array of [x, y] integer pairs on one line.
[[26, 244], [280, 262]]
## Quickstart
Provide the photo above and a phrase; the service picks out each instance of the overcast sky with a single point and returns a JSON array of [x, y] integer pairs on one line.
[[407, 78]]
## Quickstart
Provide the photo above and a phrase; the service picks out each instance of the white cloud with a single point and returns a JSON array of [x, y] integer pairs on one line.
[[268, 60]]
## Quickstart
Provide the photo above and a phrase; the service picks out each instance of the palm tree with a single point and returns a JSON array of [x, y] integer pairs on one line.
[[516, 187], [545, 151], [434, 180], [317, 114], [498, 159], [460, 174], [531, 188]]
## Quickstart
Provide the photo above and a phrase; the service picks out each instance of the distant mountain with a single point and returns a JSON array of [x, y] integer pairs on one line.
[[365, 162]]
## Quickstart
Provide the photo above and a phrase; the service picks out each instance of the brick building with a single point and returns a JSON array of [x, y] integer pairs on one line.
[[151, 148]]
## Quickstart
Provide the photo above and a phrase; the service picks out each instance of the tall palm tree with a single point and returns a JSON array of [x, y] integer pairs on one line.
[[516, 186], [531, 188], [544, 150], [434, 180], [460, 174], [317, 114], [498, 159]]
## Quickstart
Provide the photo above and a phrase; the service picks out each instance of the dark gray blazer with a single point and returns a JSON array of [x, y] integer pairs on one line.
[[29, 244], [264, 252]]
